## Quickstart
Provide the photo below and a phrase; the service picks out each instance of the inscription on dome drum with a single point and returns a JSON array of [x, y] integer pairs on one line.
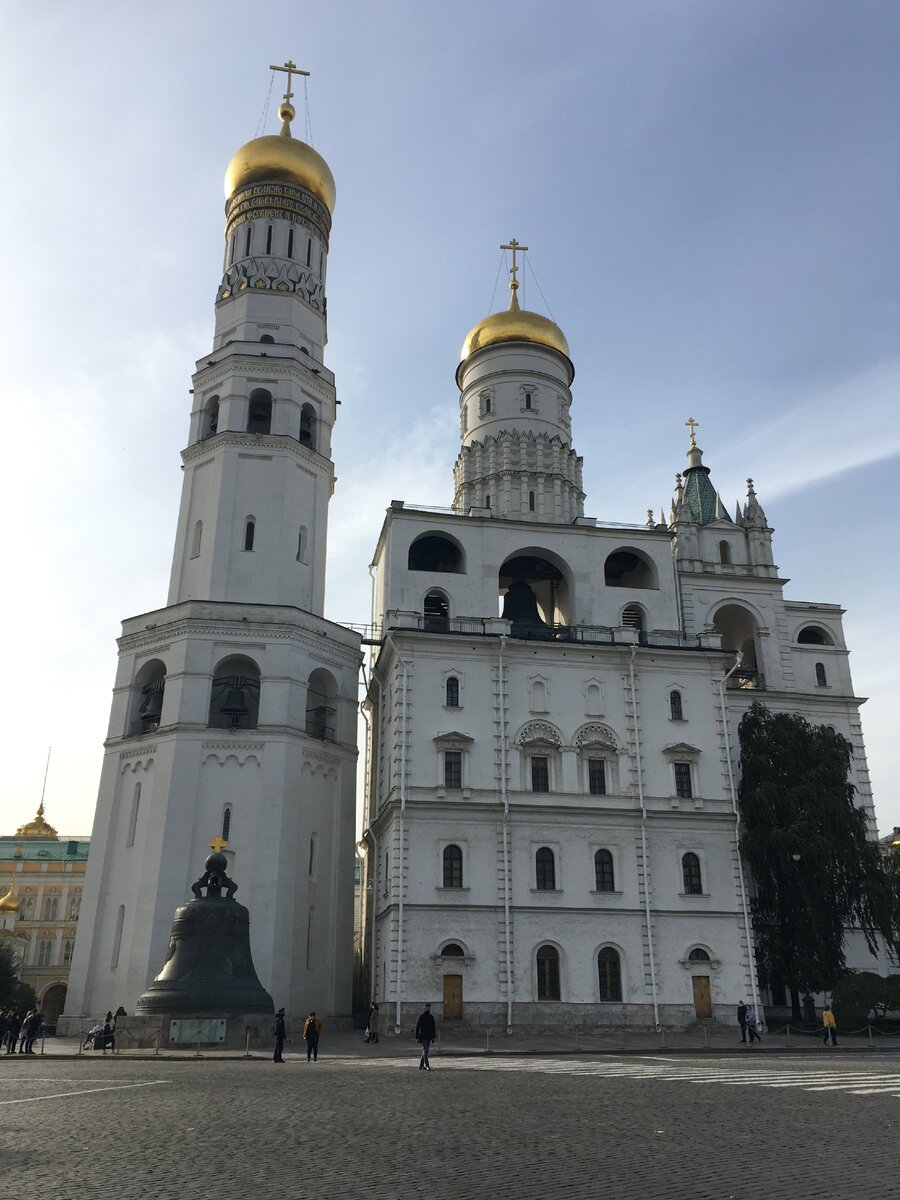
[[274, 202]]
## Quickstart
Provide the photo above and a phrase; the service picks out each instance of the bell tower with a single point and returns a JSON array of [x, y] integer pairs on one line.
[[234, 708]]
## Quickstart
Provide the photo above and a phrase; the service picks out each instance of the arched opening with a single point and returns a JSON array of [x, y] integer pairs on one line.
[[210, 425], [690, 870], [604, 874], [268, 339], [632, 617], [738, 629], [630, 568], [531, 501], [535, 595], [133, 819], [545, 870], [147, 695], [436, 613], [226, 823], [698, 954], [821, 677], [259, 412], [234, 699], [451, 692], [433, 552], [249, 533], [814, 635], [547, 973], [676, 709], [724, 552], [309, 427], [53, 1001], [609, 966], [321, 706], [453, 867], [453, 950]]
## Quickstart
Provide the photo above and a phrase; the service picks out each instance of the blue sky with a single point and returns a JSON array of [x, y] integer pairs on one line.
[[708, 190]]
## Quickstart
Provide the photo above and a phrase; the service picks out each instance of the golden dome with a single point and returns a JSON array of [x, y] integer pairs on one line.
[[9, 903], [38, 827], [514, 325], [281, 158]]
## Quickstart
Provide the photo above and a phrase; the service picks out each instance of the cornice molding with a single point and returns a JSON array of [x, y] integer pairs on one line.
[[268, 441], [242, 633]]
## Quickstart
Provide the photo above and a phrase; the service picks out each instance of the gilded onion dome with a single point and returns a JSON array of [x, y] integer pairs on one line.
[[8, 903], [515, 325], [38, 827], [281, 158]]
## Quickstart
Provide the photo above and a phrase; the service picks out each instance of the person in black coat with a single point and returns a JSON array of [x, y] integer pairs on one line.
[[742, 1020], [426, 1031], [13, 1025], [279, 1036]]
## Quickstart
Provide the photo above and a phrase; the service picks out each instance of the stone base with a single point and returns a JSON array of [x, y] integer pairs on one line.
[[552, 1017]]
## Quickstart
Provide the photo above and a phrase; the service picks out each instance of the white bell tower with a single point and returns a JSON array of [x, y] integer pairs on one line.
[[234, 707]]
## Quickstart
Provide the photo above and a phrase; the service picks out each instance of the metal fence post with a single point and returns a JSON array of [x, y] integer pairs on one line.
[[157, 1042], [247, 1047]]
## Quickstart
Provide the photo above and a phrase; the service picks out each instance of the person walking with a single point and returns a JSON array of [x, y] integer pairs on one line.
[[13, 1025], [374, 1023], [32, 1030], [750, 1022], [23, 1031], [312, 1027], [742, 1020], [279, 1036], [426, 1031], [830, 1025]]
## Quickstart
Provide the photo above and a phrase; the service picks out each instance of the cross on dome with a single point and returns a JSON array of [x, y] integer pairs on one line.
[[513, 245], [292, 69], [218, 844], [694, 425]]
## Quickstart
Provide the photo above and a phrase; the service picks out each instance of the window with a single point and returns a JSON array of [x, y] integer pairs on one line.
[[211, 417], [630, 568], [528, 399], [247, 243], [821, 677], [135, 809], [548, 973], [290, 252], [453, 867], [540, 773], [268, 239], [231, 251], [234, 697], [545, 870], [597, 776], [436, 613], [610, 968], [603, 871], [813, 635], [453, 769], [45, 949], [724, 552], [226, 824], [690, 870], [259, 412], [531, 501], [431, 552], [74, 908], [676, 712], [633, 617], [117, 938], [309, 427], [249, 533], [268, 339], [51, 907], [453, 950], [487, 500], [301, 543], [312, 856], [452, 692], [68, 947], [698, 955], [487, 404], [308, 250], [198, 538], [683, 789]]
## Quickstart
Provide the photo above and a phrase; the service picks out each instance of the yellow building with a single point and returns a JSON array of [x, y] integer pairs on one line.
[[41, 881]]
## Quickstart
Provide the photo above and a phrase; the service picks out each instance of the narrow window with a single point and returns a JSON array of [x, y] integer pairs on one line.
[[683, 789], [540, 774], [452, 700], [596, 776], [290, 253], [528, 399], [308, 250], [487, 500], [301, 538], [690, 870], [453, 769], [531, 501], [821, 678], [231, 253], [675, 710], [548, 973], [268, 239], [135, 809], [117, 938], [604, 876], [44, 950], [312, 855], [50, 906], [249, 533], [610, 969], [74, 908], [247, 246], [226, 824], [487, 404], [321, 261], [545, 870], [436, 613], [198, 537], [453, 867], [724, 552], [68, 947], [632, 617]]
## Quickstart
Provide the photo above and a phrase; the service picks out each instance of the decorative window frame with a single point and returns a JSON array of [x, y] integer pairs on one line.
[[533, 391], [540, 739], [713, 965], [613, 852], [453, 673], [586, 688], [462, 743], [463, 847], [545, 683], [597, 741], [681, 851], [561, 968], [486, 407], [683, 752], [466, 957], [671, 687]]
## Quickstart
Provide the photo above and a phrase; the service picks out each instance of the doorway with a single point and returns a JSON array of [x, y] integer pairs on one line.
[[702, 997], [453, 997]]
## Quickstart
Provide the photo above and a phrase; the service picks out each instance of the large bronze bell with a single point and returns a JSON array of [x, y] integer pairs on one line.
[[520, 607], [151, 705], [235, 706]]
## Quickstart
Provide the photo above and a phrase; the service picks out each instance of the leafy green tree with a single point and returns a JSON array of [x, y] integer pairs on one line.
[[815, 870], [13, 993]]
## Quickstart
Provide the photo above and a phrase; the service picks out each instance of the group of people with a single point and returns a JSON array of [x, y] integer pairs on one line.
[[747, 1023], [312, 1027], [426, 1032], [21, 1031]]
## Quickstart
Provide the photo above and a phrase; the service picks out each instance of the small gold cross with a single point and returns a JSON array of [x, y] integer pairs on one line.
[[694, 426], [513, 245], [218, 844], [292, 69]]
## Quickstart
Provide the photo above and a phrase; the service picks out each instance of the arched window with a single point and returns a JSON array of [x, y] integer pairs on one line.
[[548, 973], [453, 950], [267, 337], [51, 907], [147, 694], [633, 617], [74, 908], [610, 967], [210, 424], [604, 874], [528, 399], [690, 870], [814, 635], [321, 706], [432, 552], [301, 544], [45, 949], [724, 552], [226, 823], [531, 501], [545, 870], [234, 699], [259, 413], [309, 427], [452, 692], [197, 539], [487, 500], [249, 533], [821, 677], [68, 947], [453, 867], [135, 809], [676, 712], [436, 613], [698, 954], [630, 568]]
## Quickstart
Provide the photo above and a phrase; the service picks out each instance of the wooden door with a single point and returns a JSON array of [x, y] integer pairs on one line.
[[452, 997], [702, 997]]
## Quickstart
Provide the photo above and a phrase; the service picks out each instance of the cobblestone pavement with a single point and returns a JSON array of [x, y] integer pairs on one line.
[[491, 1128]]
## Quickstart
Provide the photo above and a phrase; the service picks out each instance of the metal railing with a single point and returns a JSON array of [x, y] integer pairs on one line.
[[325, 733]]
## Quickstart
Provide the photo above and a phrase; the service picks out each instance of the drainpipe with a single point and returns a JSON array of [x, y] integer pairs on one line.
[[368, 839], [737, 833], [640, 783], [403, 736], [504, 794]]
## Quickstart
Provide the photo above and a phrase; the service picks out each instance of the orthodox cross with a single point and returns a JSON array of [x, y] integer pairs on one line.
[[513, 245], [291, 69], [218, 844], [694, 425]]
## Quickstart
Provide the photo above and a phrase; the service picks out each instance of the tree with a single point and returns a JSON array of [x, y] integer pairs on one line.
[[13, 992], [815, 870]]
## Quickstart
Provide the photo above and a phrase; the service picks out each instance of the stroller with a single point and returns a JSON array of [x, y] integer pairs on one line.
[[94, 1039]]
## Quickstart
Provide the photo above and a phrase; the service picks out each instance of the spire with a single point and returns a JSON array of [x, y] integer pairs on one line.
[[754, 516], [702, 501]]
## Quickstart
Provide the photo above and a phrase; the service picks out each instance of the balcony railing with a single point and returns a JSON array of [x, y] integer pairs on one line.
[[325, 733]]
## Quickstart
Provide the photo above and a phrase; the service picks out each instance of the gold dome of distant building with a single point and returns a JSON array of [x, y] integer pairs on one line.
[[281, 158], [515, 325], [38, 827], [8, 903]]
